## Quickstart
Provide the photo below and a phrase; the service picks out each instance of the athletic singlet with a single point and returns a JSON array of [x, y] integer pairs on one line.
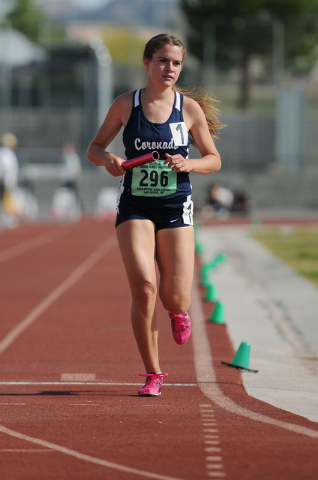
[[141, 136]]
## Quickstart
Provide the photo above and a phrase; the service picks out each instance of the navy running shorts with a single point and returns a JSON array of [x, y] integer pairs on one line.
[[165, 212]]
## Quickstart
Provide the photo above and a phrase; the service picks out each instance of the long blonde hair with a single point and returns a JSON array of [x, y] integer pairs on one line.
[[202, 97]]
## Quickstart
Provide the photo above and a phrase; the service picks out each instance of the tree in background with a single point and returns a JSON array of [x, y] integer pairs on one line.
[[241, 29], [26, 17]]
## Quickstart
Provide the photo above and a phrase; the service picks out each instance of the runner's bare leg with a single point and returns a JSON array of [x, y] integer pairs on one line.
[[136, 240]]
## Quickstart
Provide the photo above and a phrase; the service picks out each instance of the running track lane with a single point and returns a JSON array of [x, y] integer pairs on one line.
[[66, 286]]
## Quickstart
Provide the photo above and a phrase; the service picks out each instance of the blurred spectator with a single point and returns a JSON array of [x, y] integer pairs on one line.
[[65, 205], [221, 198], [222, 202], [73, 165], [9, 165], [242, 202], [106, 204], [9, 170], [219, 202]]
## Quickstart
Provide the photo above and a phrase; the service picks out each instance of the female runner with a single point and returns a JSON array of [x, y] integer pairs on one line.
[[154, 211]]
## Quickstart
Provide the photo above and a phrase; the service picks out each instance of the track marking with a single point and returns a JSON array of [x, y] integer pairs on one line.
[[83, 457], [210, 440], [81, 377], [207, 379], [38, 241], [57, 292], [216, 474], [26, 450]]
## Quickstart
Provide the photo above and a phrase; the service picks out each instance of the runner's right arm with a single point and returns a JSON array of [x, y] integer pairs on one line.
[[116, 117]]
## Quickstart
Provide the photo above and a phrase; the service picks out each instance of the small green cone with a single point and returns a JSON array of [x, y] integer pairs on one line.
[[198, 247], [242, 358], [204, 279], [210, 265], [217, 315], [221, 258], [210, 293]]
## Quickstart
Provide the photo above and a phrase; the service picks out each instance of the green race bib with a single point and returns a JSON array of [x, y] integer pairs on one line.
[[153, 180]]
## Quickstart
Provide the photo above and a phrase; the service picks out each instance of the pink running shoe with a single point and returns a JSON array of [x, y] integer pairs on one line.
[[181, 327], [153, 384]]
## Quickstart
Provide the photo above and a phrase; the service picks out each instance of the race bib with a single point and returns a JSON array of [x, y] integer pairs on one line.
[[154, 179], [179, 133]]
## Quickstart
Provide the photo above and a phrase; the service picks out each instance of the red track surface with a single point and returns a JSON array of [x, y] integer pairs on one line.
[[65, 306]]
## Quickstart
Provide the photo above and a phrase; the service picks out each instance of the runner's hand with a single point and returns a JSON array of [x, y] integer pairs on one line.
[[178, 163], [113, 166]]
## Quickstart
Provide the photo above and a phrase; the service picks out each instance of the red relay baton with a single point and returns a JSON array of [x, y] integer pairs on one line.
[[136, 162]]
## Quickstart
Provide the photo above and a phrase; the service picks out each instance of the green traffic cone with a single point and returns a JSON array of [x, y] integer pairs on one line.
[[242, 358], [204, 279], [209, 266], [220, 258], [217, 315], [198, 247], [210, 293]]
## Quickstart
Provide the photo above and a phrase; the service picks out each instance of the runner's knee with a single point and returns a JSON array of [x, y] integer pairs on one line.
[[144, 295], [175, 303]]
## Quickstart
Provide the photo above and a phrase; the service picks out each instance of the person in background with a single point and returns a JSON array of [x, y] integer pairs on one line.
[[155, 211], [73, 166], [219, 202], [72, 163], [9, 172], [242, 202]]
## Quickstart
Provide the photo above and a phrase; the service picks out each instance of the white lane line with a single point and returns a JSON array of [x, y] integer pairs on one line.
[[38, 241], [26, 450], [96, 383], [57, 292], [207, 379], [216, 474], [81, 377], [83, 457]]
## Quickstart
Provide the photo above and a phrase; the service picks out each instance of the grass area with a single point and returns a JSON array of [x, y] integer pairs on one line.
[[296, 247]]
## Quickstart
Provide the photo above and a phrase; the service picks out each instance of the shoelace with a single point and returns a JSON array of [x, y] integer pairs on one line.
[[178, 322], [153, 379]]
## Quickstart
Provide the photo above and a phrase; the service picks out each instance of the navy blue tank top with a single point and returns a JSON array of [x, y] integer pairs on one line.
[[141, 136]]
